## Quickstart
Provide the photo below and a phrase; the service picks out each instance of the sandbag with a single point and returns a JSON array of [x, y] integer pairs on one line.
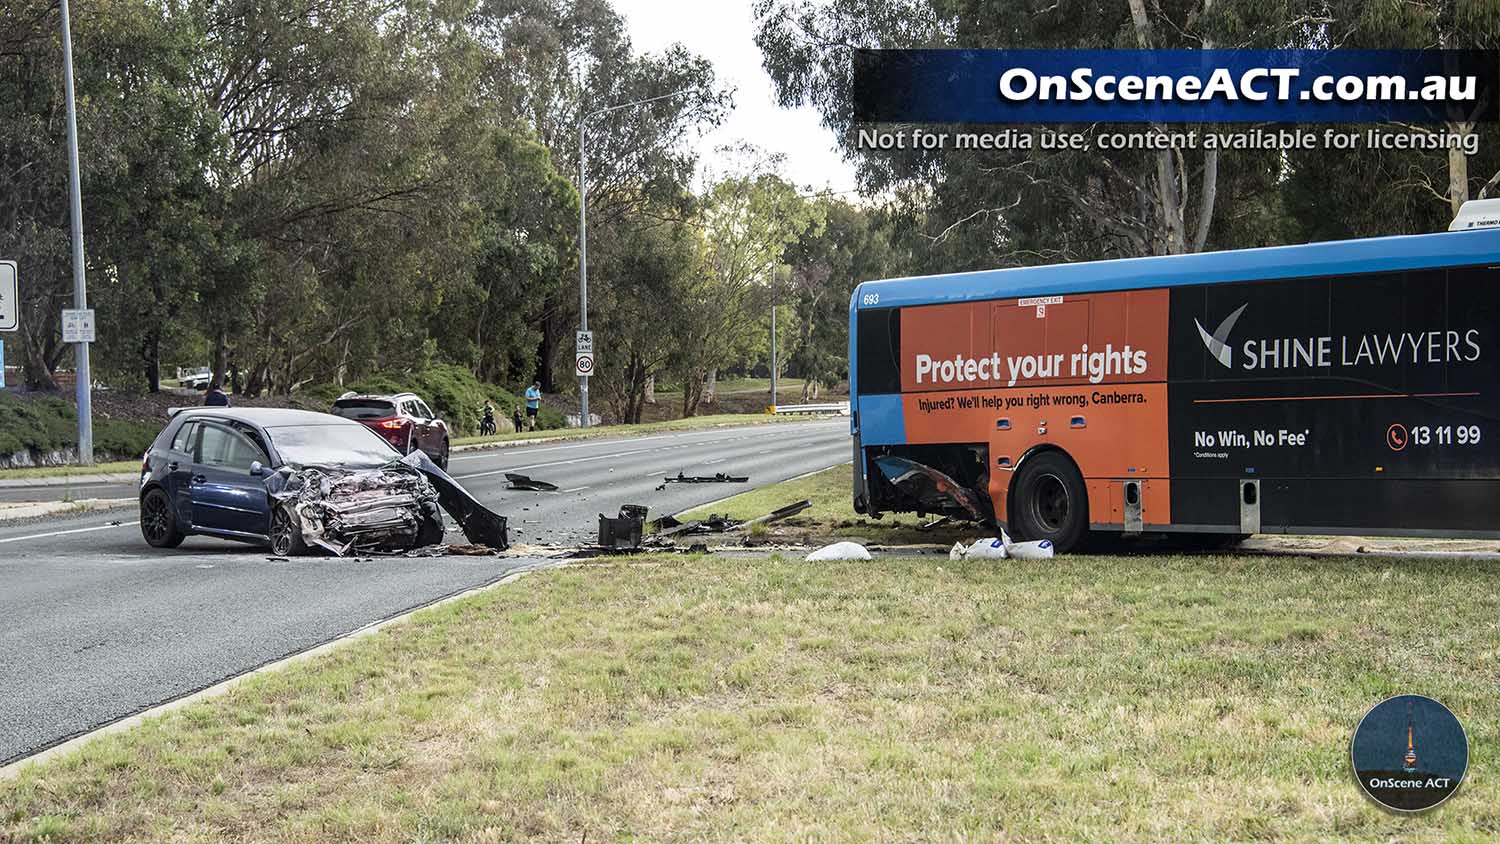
[[1038, 550], [839, 551], [987, 549]]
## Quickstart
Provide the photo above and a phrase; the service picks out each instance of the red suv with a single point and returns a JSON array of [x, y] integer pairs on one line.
[[403, 420]]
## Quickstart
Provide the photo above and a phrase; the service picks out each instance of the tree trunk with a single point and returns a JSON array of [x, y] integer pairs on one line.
[[650, 391], [34, 369], [221, 358], [710, 383], [545, 348], [1458, 169], [151, 358]]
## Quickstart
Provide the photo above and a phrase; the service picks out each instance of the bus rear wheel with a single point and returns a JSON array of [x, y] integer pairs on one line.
[[1050, 501]]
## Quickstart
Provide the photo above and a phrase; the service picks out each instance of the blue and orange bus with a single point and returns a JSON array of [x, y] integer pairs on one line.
[[1326, 388]]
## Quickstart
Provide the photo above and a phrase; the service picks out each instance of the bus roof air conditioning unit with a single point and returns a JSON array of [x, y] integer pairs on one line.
[[1477, 214]]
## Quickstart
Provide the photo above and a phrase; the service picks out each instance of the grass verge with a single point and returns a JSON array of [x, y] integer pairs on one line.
[[690, 424], [832, 514], [1078, 700], [65, 471]]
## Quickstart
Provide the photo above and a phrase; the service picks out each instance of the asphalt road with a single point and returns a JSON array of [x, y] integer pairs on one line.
[[95, 625]]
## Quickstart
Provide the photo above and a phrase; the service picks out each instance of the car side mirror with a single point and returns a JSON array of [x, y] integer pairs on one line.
[[256, 470]]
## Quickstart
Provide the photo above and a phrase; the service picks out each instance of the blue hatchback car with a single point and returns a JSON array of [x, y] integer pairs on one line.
[[206, 472]]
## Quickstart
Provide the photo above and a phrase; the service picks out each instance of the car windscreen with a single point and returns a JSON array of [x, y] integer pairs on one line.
[[364, 409], [346, 446]]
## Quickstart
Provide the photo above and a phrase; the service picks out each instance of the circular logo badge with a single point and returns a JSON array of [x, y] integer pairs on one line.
[[1409, 753]]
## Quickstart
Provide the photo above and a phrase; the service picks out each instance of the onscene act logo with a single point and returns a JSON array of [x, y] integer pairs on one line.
[[1409, 753]]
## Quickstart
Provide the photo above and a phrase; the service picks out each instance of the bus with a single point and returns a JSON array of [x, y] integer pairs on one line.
[[1346, 387]]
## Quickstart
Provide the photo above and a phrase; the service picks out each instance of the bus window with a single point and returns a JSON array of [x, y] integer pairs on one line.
[[879, 338]]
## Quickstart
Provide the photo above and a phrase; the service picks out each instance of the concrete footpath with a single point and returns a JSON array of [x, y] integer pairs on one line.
[[15, 511], [69, 480]]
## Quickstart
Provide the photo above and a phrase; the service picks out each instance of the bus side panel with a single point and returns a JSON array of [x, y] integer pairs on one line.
[[1083, 373], [1360, 403]]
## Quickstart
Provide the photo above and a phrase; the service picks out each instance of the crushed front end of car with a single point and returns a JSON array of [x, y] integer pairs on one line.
[[397, 507]]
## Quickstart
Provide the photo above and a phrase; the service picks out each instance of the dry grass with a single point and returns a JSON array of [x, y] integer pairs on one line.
[[1085, 699]]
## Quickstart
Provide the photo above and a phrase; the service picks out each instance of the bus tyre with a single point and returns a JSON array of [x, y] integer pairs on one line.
[[1050, 501]]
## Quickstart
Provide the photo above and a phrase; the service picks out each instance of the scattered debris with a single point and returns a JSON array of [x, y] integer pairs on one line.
[[665, 523], [623, 531], [939, 522], [523, 482], [471, 550], [777, 515], [716, 478], [838, 551], [713, 524]]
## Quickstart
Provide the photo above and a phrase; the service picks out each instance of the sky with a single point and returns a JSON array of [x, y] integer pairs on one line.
[[724, 31]]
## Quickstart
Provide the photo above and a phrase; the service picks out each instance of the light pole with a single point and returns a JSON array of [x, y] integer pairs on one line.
[[83, 385], [583, 234]]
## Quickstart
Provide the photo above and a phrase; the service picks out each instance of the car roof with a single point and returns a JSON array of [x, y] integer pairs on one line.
[[377, 396], [267, 417]]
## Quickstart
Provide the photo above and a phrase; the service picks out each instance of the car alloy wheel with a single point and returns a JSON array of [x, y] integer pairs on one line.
[[284, 538], [158, 524]]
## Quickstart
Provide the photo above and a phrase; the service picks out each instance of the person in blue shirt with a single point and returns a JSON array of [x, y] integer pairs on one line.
[[533, 404]]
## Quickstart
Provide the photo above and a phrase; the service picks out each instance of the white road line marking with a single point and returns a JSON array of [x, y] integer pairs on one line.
[[577, 489], [67, 532]]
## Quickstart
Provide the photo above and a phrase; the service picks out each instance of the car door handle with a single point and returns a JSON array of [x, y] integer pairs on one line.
[[172, 467], [200, 479]]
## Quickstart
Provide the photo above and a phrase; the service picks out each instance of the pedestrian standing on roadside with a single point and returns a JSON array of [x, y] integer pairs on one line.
[[533, 404], [515, 418], [216, 397]]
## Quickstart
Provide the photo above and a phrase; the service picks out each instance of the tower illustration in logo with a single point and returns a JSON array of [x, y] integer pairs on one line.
[[1218, 342], [1409, 761]]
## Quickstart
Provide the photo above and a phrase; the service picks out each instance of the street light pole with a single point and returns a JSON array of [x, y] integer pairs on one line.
[[583, 234], [83, 384]]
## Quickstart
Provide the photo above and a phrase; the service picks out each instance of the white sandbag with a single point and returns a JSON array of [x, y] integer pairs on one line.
[[987, 549], [957, 551], [1038, 550], [839, 551]]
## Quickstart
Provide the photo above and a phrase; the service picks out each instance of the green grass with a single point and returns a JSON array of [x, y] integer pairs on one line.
[[832, 514], [1084, 699], [689, 424], [64, 471]]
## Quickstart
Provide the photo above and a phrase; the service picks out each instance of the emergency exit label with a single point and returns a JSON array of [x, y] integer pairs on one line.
[[10, 300]]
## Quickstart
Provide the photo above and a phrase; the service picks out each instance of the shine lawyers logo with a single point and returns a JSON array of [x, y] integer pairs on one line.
[[1409, 753]]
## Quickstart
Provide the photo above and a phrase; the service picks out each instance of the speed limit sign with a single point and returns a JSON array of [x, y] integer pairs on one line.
[[583, 364]]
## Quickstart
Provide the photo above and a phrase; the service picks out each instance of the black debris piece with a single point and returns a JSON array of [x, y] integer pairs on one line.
[[664, 523], [717, 478], [523, 482], [712, 524], [623, 531]]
